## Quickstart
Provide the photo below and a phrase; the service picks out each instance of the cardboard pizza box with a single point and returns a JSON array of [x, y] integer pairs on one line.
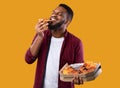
[[86, 77]]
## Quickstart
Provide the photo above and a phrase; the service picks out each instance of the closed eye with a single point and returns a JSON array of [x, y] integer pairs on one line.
[[57, 13]]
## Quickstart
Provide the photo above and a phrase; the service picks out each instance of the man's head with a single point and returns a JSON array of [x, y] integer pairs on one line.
[[61, 17], [69, 11]]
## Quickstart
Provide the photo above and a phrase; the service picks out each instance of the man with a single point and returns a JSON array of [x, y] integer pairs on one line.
[[54, 46]]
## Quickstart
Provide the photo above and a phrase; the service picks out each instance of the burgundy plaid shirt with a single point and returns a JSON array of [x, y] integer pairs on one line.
[[71, 52]]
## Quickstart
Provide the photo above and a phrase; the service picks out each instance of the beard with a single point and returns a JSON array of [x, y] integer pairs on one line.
[[55, 26]]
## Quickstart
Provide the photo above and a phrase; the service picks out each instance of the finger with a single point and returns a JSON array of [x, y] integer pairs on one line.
[[40, 31], [81, 80], [44, 26], [76, 81], [41, 23], [38, 25]]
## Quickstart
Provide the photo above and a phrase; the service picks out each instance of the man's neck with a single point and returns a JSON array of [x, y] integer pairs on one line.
[[58, 33]]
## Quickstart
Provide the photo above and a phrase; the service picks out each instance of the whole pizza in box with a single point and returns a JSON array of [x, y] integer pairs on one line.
[[87, 71]]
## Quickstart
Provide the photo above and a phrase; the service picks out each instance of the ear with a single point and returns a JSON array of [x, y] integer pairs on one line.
[[67, 23]]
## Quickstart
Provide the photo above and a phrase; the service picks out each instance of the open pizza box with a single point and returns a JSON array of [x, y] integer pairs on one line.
[[86, 77]]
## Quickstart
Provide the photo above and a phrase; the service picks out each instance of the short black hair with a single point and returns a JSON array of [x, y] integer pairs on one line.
[[69, 11]]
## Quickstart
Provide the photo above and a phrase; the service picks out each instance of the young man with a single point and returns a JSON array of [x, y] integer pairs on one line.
[[54, 46]]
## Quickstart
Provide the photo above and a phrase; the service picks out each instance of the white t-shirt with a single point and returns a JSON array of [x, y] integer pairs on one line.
[[52, 66]]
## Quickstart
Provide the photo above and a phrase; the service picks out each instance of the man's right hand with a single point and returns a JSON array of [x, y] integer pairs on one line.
[[41, 26]]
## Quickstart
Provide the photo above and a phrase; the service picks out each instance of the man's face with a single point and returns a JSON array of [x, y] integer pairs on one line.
[[59, 17]]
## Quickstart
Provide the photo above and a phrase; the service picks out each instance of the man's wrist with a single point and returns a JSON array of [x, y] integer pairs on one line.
[[40, 35]]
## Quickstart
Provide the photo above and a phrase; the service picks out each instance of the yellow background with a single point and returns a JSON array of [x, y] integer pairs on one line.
[[96, 22]]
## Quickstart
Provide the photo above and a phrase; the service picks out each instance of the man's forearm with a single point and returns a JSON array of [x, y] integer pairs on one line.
[[36, 45]]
